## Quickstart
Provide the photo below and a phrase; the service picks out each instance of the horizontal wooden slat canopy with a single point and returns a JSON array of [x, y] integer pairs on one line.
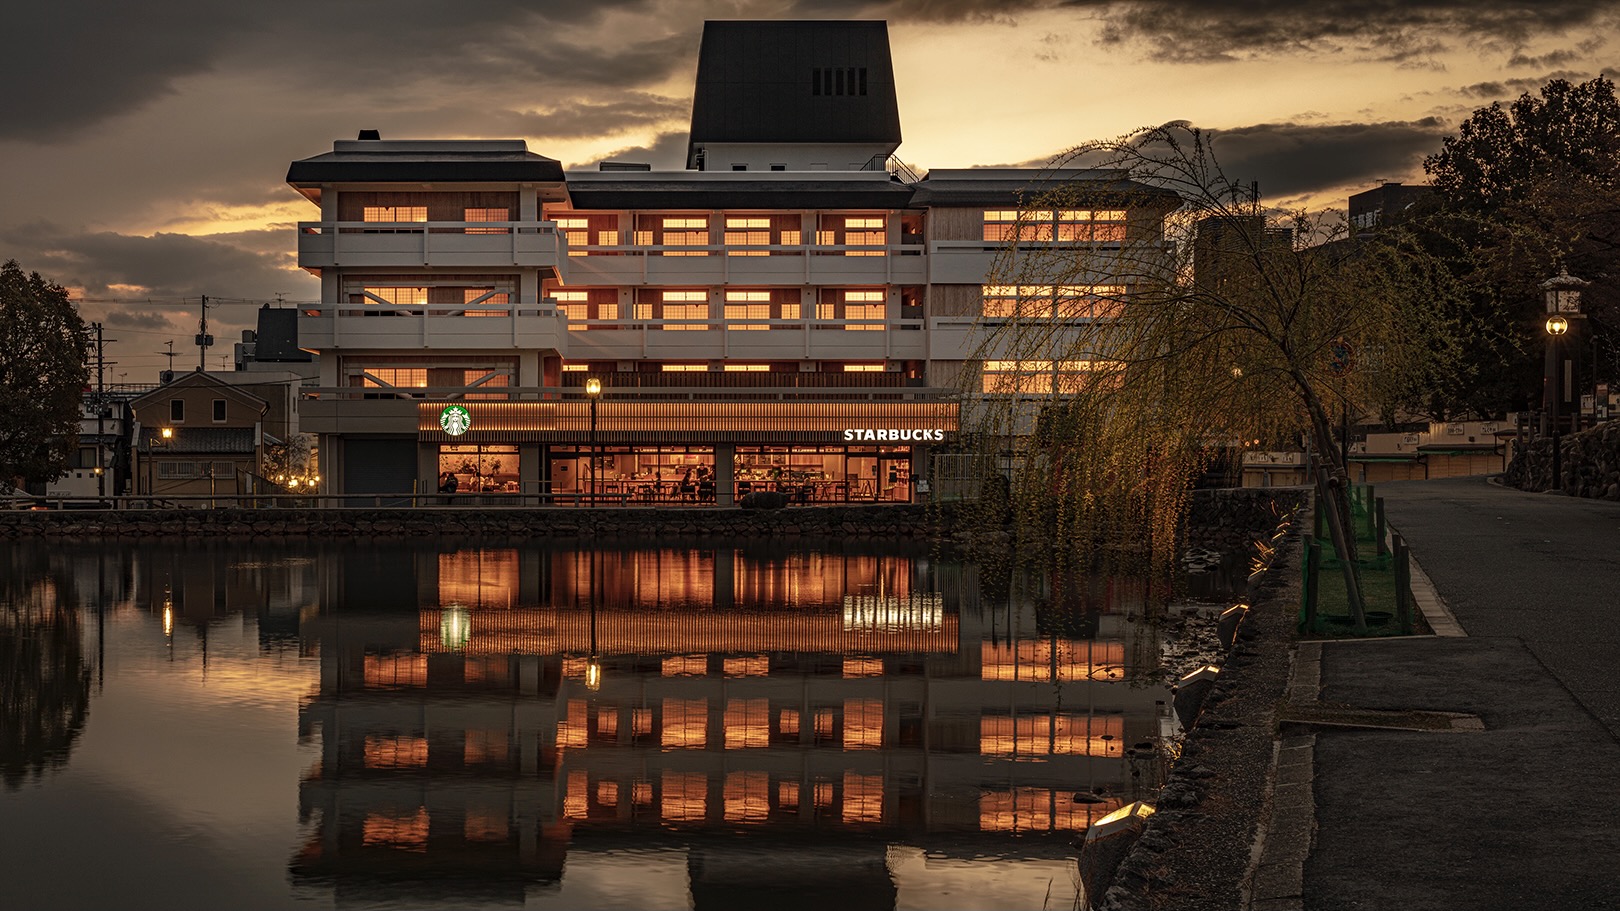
[[898, 420]]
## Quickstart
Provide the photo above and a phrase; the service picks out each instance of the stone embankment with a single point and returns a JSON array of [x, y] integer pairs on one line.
[[1590, 464], [1194, 853], [1219, 520], [883, 522]]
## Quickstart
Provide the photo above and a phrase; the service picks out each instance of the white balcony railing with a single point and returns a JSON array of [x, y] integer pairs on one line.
[[444, 244], [326, 327], [760, 339], [750, 265]]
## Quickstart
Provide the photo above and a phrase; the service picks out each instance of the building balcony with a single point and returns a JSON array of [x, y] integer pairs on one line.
[[432, 244], [388, 327], [971, 262], [746, 340], [754, 265]]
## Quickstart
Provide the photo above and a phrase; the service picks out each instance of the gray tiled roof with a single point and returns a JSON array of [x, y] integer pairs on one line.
[[199, 441]]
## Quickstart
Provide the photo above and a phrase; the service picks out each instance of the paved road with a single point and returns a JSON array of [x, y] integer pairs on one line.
[[1541, 567], [1519, 817]]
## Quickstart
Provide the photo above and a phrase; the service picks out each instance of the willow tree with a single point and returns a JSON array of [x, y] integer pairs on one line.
[[1115, 365]]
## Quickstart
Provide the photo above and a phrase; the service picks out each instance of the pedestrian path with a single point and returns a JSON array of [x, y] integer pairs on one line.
[[1505, 795]]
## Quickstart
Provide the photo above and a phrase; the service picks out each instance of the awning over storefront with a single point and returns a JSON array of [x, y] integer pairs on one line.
[[862, 421]]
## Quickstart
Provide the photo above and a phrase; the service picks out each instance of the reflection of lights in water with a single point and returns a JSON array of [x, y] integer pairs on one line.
[[890, 614], [168, 620], [593, 674], [455, 628]]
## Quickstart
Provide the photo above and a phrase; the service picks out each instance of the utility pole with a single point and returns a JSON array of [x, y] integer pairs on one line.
[[101, 408], [170, 355], [204, 340]]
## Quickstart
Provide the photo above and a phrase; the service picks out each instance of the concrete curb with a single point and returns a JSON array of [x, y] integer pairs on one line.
[[1276, 878]]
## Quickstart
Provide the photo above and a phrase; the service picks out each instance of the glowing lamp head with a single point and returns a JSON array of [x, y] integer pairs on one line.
[[168, 433], [1557, 325], [593, 387]]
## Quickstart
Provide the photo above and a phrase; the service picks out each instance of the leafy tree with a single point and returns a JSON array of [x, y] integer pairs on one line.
[[44, 346], [1521, 190], [1227, 325]]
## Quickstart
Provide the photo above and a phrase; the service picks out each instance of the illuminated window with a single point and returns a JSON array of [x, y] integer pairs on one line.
[[787, 723], [748, 666], [787, 795], [607, 722], [581, 229], [747, 796], [748, 309], [686, 666], [853, 232], [487, 825], [395, 670], [823, 794], [746, 368], [863, 724], [826, 721], [866, 305], [477, 215], [483, 747], [863, 368], [673, 231], [580, 305], [1097, 225], [402, 831], [395, 752], [863, 798], [747, 723], [1002, 225], [1033, 659], [863, 667], [572, 730], [686, 724], [483, 296], [396, 377], [607, 793], [576, 368], [1023, 377], [393, 213], [641, 793], [1018, 810], [691, 306], [685, 796], [641, 722], [577, 794], [390, 294], [683, 368]]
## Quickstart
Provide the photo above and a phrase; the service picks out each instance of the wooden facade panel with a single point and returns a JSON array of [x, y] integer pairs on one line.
[[955, 300], [742, 421], [956, 224]]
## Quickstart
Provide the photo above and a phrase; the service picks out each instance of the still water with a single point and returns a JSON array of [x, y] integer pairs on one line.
[[209, 725]]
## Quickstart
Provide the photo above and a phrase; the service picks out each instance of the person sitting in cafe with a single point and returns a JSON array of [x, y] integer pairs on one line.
[[688, 489], [448, 482]]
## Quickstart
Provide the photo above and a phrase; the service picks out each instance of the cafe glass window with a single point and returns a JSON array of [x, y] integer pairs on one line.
[[479, 468]]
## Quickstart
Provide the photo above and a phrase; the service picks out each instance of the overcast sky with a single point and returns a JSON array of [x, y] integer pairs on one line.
[[146, 145]]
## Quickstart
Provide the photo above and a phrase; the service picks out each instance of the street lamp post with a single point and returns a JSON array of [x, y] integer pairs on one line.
[[1563, 297], [1556, 327], [593, 391]]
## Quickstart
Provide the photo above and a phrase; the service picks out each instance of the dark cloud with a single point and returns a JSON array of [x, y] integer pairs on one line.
[[166, 267], [87, 60], [1512, 88], [667, 152], [1552, 58], [1293, 159], [1203, 30], [138, 319]]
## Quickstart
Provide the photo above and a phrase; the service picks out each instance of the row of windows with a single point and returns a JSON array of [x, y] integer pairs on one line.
[[185, 471], [177, 411]]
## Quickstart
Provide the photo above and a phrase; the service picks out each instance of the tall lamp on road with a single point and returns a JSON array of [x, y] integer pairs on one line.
[[593, 391], [1563, 296]]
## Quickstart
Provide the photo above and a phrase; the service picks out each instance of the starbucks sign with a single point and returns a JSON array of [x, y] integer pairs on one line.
[[455, 420]]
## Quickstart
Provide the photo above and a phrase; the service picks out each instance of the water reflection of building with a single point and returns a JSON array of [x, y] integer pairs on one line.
[[799, 698]]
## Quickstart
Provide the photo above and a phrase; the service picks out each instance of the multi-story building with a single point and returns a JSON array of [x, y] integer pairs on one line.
[[794, 311]]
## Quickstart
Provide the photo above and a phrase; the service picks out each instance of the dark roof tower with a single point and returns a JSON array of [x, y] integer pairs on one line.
[[794, 82]]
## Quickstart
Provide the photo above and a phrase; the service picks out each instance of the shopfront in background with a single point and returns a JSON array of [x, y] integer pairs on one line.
[[675, 452]]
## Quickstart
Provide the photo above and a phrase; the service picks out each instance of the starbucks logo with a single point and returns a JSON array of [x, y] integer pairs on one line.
[[455, 420]]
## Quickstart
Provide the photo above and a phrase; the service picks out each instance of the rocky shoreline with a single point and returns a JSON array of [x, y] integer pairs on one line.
[[1194, 853]]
